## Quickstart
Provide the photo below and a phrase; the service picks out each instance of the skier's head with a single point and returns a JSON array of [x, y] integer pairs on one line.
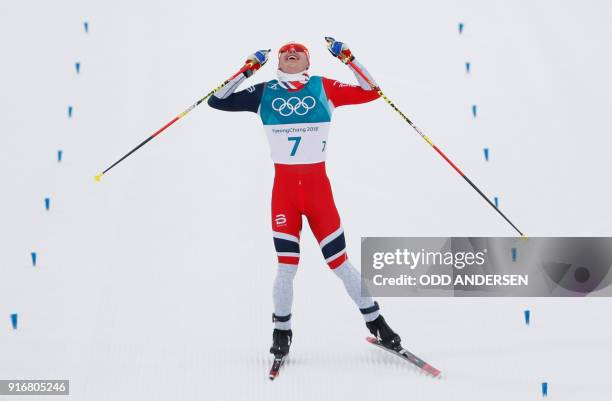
[[293, 58]]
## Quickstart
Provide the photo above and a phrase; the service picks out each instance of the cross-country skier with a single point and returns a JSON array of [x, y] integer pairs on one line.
[[296, 112]]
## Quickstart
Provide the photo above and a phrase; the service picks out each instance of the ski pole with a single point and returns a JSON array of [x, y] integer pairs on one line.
[[380, 92], [175, 119]]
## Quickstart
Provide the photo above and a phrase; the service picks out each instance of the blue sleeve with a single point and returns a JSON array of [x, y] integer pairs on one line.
[[245, 100]]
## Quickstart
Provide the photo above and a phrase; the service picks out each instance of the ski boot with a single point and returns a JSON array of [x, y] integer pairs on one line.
[[381, 330], [281, 341]]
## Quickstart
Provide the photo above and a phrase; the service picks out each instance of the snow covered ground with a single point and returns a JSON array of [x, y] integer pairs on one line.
[[156, 282]]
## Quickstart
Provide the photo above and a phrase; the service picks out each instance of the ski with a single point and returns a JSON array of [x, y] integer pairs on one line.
[[408, 356], [276, 365]]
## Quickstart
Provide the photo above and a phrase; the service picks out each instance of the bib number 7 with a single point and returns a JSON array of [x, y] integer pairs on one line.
[[296, 140]]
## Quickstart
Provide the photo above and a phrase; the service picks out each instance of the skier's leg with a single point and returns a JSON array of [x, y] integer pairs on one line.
[[324, 221], [325, 224], [283, 296], [286, 227], [352, 282]]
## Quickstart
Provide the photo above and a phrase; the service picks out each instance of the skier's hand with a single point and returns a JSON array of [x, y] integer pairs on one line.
[[339, 50], [255, 61]]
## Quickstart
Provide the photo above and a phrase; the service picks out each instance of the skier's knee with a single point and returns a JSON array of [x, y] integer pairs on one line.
[[333, 248], [287, 248]]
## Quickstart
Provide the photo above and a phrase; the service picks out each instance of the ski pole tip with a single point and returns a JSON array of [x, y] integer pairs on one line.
[[524, 237], [98, 177]]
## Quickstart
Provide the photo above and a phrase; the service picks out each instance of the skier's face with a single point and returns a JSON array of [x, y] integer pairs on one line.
[[293, 61]]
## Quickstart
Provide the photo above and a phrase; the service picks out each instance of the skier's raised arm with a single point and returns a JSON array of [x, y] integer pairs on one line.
[[227, 99], [341, 94]]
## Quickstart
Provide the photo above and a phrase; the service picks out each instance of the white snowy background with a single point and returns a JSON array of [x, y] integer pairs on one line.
[[155, 284]]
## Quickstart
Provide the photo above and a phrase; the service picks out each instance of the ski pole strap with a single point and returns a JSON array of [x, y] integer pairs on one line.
[[370, 309], [280, 318]]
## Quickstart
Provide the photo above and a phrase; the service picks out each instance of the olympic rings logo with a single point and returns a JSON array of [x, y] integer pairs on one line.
[[293, 105]]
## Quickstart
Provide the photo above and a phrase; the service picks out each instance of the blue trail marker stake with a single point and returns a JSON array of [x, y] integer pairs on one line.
[[77, 66], [496, 202], [474, 110], [486, 154], [59, 156], [467, 67], [460, 28], [14, 320], [514, 254], [527, 315], [69, 111], [33, 258], [47, 203], [544, 389], [86, 26]]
